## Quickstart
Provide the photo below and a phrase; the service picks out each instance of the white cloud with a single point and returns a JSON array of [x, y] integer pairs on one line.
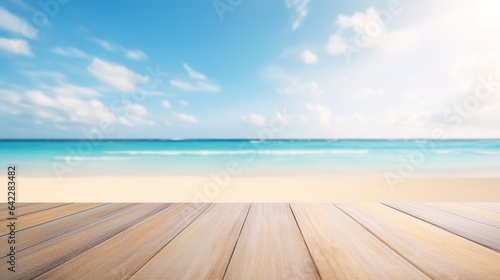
[[255, 120], [300, 10], [134, 115], [111, 46], [287, 83], [360, 30], [183, 103], [183, 85], [185, 117], [41, 114], [281, 119], [15, 46], [413, 94], [73, 90], [336, 44], [367, 27], [320, 114], [10, 96], [313, 88], [105, 44], [115, 75], [69, 51], [80, 109], [360, 119], [39, 98], [407, 118], [362, 22], [309, 57], [14, 24], [153, 92], [165, 104], [398, 41], [193, 74], [136, 109], [369, 30], [136, 55], [367, 93], [199, 82], [77, 110]]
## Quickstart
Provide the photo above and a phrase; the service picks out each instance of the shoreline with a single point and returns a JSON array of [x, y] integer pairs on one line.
[[225, 189]]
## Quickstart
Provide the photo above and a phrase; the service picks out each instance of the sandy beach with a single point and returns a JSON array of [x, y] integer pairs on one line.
[[253, 189]]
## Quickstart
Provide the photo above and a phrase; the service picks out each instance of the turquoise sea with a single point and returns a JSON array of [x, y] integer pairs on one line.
[[462, 158]]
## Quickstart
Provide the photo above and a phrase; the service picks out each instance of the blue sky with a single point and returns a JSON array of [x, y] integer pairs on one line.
[[249, 69]]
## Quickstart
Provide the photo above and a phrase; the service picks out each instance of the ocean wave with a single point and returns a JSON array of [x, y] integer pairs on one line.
[[79, 158], [443, 152], [240, 152], [487, 152]]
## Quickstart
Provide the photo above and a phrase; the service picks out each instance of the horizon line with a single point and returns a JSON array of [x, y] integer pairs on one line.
[[245, 139]]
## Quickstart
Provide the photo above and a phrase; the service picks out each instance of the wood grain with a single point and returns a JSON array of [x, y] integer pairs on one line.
[[37, 218], [53, 252], [24, 204], [271, 247], [258, 241], [469, 212], [484, 234], [129, 250], [493, 207], [202, 250], [342, 249], [43, 232], [438, 253], [3, 205], [22, 211]]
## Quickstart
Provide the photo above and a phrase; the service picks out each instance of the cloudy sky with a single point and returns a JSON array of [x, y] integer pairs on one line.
[[244, 69]]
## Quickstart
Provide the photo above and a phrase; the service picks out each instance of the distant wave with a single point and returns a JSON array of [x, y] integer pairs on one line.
[[240, 152], [78, 158], [487, 152], [442, 152]]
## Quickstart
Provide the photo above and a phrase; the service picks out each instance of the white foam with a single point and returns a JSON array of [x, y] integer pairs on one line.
[[442, 152], [79, 158], [487, 152], [240, 152]]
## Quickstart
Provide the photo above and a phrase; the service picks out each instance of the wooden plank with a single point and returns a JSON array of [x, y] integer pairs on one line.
[[271, 247], [128, 251], [38, 234], [52, 214], [3, 205], [343, 249], [469, 212], [43, 257], [24, 204], [30, 209], [202, 250], [438, 253], [478, 232], [493, 207]]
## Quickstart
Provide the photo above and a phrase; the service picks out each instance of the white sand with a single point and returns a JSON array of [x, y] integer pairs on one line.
[[251, 189]]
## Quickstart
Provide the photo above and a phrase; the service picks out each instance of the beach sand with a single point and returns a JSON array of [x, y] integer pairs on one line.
[[253, 189]]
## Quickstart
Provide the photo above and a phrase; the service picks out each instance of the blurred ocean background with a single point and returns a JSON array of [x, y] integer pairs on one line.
[[411, 158]]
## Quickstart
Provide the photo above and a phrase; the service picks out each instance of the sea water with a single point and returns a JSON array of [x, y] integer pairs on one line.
[[455, 158]]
